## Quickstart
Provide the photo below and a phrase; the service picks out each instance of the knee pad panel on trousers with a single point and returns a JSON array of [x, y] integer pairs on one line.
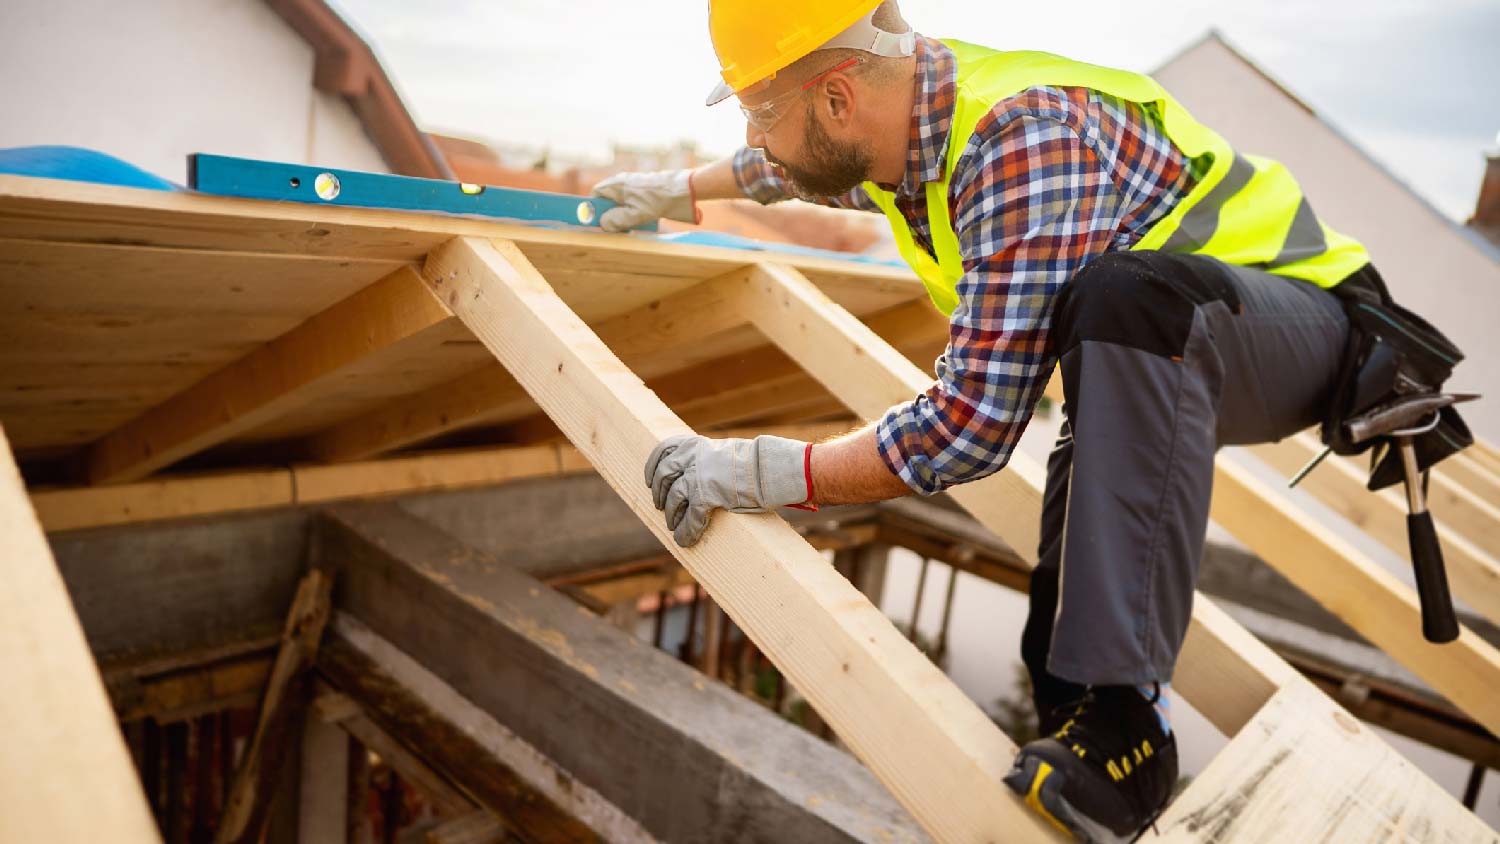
[[1144, 300]]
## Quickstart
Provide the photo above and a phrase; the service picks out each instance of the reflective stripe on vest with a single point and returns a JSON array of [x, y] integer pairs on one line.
[[1245, 210]]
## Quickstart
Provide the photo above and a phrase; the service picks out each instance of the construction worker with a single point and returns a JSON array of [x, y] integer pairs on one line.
[[1061, 214]]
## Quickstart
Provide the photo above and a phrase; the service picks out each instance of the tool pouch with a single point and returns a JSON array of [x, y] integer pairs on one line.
[[1391, 353]]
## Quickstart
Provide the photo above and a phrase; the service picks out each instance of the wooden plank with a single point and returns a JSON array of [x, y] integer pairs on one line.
[[91, 335], [1356, 589], [1465, 470], [945, 763], [385, 317], [1340, 485], [487, 394], [473, 828], [213, 494], [247, 806], [527, 673], [186, 694], [323, 786], [65, 775], [1223, 670], [465, 746], [1486, 454], [1305, 770], [52, 210], [338, 708]]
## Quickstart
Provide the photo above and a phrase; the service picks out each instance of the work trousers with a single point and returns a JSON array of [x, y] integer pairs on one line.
[[1164, 358]]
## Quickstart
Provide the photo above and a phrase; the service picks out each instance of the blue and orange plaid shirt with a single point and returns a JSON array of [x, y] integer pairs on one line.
[[1051, 179]]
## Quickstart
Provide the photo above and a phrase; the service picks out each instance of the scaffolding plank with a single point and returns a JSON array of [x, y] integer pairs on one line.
[[1305, 770], [65, 775], [1226, 672], [863, 677]]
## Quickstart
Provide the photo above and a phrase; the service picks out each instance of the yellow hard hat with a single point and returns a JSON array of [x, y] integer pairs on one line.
[[755, 39]]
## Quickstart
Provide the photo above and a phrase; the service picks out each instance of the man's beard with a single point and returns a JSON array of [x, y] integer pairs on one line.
[[834, 168]]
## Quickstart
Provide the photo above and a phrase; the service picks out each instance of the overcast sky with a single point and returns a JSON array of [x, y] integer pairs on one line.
[[1416, 83]]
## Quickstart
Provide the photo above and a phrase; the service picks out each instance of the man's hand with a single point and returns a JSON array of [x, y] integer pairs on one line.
[[691, 476], [647, 197]]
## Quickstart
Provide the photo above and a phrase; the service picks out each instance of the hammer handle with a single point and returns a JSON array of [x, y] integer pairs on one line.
[[1439, 624]]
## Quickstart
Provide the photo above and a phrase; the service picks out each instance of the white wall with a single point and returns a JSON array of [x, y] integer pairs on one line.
[[151, 82], [1429, 266]]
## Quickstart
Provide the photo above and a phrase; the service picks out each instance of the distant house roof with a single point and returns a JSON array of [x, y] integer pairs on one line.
[[346, 66], [1486, 219]]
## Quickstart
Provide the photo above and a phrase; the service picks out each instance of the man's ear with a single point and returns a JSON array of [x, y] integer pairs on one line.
[[838, 100]]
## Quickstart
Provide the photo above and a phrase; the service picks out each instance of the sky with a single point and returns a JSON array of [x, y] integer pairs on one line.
[[1415, 83]]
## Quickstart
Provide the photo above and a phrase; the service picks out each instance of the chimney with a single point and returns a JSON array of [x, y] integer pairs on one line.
[[1486, 219]]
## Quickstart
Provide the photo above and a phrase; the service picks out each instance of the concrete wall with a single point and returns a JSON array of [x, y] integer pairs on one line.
[[1428, 262], [151, 82]]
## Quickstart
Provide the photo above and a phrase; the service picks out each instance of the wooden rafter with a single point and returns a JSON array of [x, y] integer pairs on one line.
[[384, 318], [1341, 485], [944, 765], [1225, 671], [65, 775]]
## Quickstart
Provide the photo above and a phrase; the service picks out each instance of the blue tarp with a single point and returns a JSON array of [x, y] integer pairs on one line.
[[78, 165], [85, 165]]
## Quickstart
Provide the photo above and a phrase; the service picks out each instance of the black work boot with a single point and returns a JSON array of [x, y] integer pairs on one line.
[[1106, 770]]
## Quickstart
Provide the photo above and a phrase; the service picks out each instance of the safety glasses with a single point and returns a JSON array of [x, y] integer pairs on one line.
[[766, 115]]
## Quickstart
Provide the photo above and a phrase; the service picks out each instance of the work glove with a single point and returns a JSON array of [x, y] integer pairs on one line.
[[647, 197], [691, 476]]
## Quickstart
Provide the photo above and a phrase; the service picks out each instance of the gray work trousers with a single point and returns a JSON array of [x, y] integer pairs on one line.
[[1164, 358]]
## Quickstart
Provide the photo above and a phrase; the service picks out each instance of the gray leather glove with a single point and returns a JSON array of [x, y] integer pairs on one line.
[[691, 476], [646, 197]]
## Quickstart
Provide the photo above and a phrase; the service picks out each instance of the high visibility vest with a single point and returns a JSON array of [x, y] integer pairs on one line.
[[1245, 210]]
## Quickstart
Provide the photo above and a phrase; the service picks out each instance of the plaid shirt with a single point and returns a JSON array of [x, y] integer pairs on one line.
[[1051, 179]]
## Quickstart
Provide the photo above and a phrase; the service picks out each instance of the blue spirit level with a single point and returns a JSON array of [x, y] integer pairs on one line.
[[251, 179]]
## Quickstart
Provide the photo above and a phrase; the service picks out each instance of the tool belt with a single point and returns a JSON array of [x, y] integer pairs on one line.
[[1393, 358], [1388, 400]]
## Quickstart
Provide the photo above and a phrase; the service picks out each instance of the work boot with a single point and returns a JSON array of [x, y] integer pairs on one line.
[[1106, 772]]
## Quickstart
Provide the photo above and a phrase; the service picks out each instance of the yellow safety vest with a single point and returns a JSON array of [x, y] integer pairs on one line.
[[1246, 210]]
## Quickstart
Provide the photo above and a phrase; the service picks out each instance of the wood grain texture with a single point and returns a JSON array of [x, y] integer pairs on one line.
[[1225, 672], [1340, 484], [383, 318], [115, 300], [247, 805], [489, 394], [945, 762], [1357, 590], [1305, 770], [65, 775]]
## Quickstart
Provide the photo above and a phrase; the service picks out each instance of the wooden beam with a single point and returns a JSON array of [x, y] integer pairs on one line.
[[247, 806], [1340, 485], [473, 828], [323, 785], [461, 636], [489, 393], [945, 763], [1356, 589], [466, 747], [338, 708], [1465, 470], [1225, 671], [388, 317], [1486, 454], [65, 775], [230, 492], [188, 693], [1305, 770]]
